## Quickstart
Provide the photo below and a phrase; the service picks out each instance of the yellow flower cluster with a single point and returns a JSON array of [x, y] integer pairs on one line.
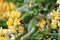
[[14, 20], [4, 38], [54, 24], [3, 31], [5, 8], [55, 17]]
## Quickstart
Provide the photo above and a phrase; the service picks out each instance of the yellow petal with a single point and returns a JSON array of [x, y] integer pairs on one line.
[[10, 22]]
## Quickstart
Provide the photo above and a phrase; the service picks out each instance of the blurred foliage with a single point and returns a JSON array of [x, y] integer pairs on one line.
[[3, 23]]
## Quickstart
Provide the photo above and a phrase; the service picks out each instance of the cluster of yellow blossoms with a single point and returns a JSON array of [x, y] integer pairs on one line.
[[55, 20], [3, 32], [5, 8], [13, 24], [14, 21], [4, 38]]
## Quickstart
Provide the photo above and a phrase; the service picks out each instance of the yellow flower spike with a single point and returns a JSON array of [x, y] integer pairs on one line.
[[15, 14], [10, 22], [21, 29], [12, 5], [54, 26]]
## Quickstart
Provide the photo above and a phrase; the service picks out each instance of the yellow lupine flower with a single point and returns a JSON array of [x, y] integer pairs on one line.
[[21, 29], [12, 5], [10, 22], [17, 14], [16, 22], [42, 23], [54, 13], [54, 26], [12, 29]]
